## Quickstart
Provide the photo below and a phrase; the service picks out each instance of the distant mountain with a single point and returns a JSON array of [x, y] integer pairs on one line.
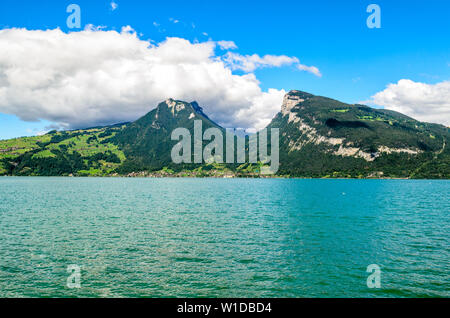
[[319, 137]]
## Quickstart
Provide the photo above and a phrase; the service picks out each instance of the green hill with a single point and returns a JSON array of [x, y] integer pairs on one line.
[[79, 152]]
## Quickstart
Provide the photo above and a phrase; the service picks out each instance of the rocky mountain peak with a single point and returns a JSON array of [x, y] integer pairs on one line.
[[174, 106], [198, 109], [291, 100]]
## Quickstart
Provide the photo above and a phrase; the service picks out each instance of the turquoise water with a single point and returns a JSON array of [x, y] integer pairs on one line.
[[223, 237]]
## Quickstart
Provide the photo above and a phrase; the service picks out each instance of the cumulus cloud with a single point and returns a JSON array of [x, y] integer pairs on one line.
[[127, 29], [425, 102], [95, 77]]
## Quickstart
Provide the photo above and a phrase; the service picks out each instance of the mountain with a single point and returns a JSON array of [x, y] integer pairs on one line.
[[147, 142], [319, 137]]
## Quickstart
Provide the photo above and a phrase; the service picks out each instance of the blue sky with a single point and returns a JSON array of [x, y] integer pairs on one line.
[[356, 62]]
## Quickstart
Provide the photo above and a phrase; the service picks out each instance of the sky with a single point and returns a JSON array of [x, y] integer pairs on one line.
[[236, 58]]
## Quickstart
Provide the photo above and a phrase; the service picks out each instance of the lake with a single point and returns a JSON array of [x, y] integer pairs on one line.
[[133, 237]]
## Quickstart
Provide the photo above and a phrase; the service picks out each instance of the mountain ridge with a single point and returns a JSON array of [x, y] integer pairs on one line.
[[319, 137]]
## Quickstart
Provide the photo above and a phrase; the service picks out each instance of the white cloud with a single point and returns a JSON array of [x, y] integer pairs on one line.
[[36, 131], [91, 27], [249, 63], [94, 77], [425, 102], [127, 29], [227, 45], [114, 5], [312, 69]]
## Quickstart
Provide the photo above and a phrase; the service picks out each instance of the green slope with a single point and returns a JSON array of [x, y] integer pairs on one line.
[[80, 152]]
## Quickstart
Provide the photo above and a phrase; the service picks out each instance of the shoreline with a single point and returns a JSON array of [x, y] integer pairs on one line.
[[219, 177]]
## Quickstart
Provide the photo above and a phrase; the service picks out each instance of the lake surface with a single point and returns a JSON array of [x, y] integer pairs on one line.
[[223, 237]]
